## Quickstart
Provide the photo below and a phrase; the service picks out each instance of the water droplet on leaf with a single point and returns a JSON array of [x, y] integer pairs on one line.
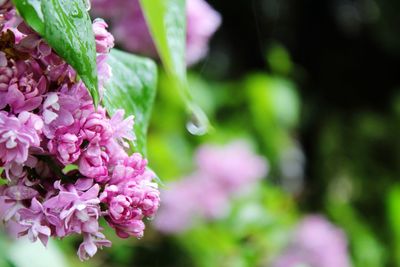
[[198, 122]]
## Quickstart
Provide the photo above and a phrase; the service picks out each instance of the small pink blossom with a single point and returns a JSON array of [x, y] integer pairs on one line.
[[128, 203], [130, 228], [90, 245], [75, 209], [25, 93], [93, 163], [104, 71], [128, 169], [6, 74], [121, 209], [11, 200], [104, 40], [33, 219], [66, 144], [151, 201], [15, 139], [122, 128], [96, 127]]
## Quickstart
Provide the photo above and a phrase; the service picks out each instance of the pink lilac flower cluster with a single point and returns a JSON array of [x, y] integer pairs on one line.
[[48, 122], [316, 243], [222, 172], [130, 29]]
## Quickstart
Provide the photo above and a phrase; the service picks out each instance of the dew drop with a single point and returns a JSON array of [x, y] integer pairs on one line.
[[195, 128], [198, 122]]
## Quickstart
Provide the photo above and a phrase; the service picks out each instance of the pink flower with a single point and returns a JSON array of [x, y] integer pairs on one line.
[[128, 169], [24, 93], [66, 144], [75, 209], [11, 200], [202, 22], [15, 139], [34, 44], [104, 71], [33, 219], [122, 210], [51, 108], [103, 8], [185, 201], [3, 63], [104, 40], [222, 172], [130, 228], [93, 163], [6, 74], [60, 71], [234, 165], [151, 201], [96, 127], [122, 128], [65, 108], [5, 4], [9, 20], [128, 203], [58, 112], [32, 121], [47, 123], [316, 242], [90, 245], [115, 151], [135, 39]]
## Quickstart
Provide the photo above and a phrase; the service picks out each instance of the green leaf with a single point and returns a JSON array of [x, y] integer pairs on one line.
[[67, 28], [32, 13], [132, 87], [167, 22]]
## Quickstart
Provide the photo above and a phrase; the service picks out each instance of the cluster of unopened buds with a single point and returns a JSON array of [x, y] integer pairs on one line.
[[64, 160]]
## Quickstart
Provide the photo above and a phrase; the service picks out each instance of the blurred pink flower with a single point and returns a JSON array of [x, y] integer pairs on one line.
[[202, 23], [235, 165], [222, 172], [131, 32], [316, 242]]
